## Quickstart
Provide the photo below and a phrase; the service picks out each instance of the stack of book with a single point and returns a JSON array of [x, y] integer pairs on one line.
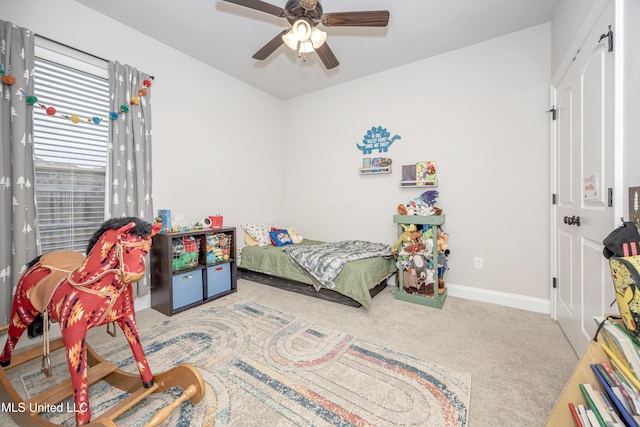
[[615, 400]]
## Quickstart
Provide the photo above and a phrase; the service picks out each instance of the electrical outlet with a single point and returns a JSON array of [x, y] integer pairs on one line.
[[477, 262]]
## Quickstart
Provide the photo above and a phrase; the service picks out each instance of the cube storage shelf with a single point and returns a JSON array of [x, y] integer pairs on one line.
[[438, 299], [191, 268]]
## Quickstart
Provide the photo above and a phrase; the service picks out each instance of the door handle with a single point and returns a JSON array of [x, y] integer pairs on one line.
[[572, 220]]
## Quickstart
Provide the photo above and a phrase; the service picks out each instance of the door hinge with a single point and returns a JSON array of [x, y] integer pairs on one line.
[[609, 37], [610, 197], [553, 112], [555, 283], [554, 199]]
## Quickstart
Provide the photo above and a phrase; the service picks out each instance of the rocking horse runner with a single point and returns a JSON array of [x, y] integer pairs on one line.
[[80, 293]]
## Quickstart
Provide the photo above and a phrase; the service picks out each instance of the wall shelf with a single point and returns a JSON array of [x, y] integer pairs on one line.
[[375, 171], [421, 184]]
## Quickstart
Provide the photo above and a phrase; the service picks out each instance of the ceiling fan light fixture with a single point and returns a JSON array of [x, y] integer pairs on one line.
[[305, 47], [318, 37], [290, 40], [302, 30]]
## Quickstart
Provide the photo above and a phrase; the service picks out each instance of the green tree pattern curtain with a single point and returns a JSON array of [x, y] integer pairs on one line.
[[18, 220], [129, 150]]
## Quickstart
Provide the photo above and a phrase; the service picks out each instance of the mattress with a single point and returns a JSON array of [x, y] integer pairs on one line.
[[354, 281]]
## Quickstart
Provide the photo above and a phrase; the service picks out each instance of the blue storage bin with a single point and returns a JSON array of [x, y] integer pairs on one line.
[[187, 289], [218, 279]]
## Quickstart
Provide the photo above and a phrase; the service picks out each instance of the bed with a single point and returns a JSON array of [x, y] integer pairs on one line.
[[355, 285]]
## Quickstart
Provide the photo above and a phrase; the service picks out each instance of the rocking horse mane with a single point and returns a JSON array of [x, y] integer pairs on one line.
[[141, 229]]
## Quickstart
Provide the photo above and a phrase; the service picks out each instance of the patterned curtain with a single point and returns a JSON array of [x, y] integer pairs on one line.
[[130, 149], [19, 243]]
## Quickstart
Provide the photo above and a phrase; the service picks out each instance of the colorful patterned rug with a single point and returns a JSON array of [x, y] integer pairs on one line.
[[263, 367]]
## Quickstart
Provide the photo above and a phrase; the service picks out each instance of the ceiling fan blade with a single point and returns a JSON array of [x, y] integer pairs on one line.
[[326, 55], [270, 47], [373, 18], [261, 6]]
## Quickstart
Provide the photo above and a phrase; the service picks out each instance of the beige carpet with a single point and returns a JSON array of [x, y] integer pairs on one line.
[[518, 360]]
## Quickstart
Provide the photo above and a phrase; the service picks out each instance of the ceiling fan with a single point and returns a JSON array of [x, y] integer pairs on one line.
[[304, 17]]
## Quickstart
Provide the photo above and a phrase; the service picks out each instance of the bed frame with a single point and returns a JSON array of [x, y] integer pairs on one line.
[[306, 289]]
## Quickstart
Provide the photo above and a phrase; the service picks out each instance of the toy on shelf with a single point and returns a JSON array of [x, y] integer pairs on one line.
[[423, 205], [80, 293], [185, 252], [218, 247]]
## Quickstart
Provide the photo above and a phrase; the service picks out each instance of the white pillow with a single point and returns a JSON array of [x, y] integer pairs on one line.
[[260, 232]]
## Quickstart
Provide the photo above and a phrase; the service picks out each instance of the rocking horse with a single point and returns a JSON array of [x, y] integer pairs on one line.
[[80, 293]]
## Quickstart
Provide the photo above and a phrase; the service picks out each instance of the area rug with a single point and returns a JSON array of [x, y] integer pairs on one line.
[[263, 367]]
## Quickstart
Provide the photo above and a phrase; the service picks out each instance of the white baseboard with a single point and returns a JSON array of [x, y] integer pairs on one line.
[[537, 305]]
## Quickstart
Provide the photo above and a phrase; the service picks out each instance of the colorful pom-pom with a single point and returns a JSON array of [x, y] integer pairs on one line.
[[75, 119], [124, 108], [51, 111], [142, 92], [32, 99], [113, 115], [135, 100], [96, 120], [146, 83], [8, 80]]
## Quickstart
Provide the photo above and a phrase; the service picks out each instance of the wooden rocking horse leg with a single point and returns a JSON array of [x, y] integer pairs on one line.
[[76, 350], [18, 324], [128, 326]]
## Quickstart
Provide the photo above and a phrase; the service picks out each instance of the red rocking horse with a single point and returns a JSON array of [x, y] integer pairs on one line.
[[80, 293]]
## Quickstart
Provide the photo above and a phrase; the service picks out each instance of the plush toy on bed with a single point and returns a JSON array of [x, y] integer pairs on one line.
[[295, 237]]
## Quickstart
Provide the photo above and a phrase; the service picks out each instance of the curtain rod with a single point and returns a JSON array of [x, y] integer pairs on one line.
[[78, 50]]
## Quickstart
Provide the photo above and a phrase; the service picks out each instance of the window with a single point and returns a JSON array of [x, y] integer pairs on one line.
[[70, 158]]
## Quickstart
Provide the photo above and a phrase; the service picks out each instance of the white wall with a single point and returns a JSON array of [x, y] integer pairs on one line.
[[567, 30], [215, 139], [479, 112], [207, 126]]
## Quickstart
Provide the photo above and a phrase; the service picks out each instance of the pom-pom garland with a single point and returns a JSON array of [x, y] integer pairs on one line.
[[51, 111], [8, 80]]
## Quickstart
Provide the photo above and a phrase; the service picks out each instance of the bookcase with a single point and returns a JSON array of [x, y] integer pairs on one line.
[[435, 221], [561, 415], [193, 267]]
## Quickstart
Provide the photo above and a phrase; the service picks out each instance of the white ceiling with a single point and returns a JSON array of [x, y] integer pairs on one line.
[[226, 35]]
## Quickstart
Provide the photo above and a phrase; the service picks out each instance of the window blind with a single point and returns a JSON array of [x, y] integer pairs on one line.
[[70, 158]]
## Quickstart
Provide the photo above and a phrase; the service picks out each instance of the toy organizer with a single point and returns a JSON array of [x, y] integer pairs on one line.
[[185, 252], [218, 247]]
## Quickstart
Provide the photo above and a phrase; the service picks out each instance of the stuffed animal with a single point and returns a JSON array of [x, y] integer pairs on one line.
[[410, 282], [423, 205], [422, 270], [409, 234], [295, 237], [442, 241]]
